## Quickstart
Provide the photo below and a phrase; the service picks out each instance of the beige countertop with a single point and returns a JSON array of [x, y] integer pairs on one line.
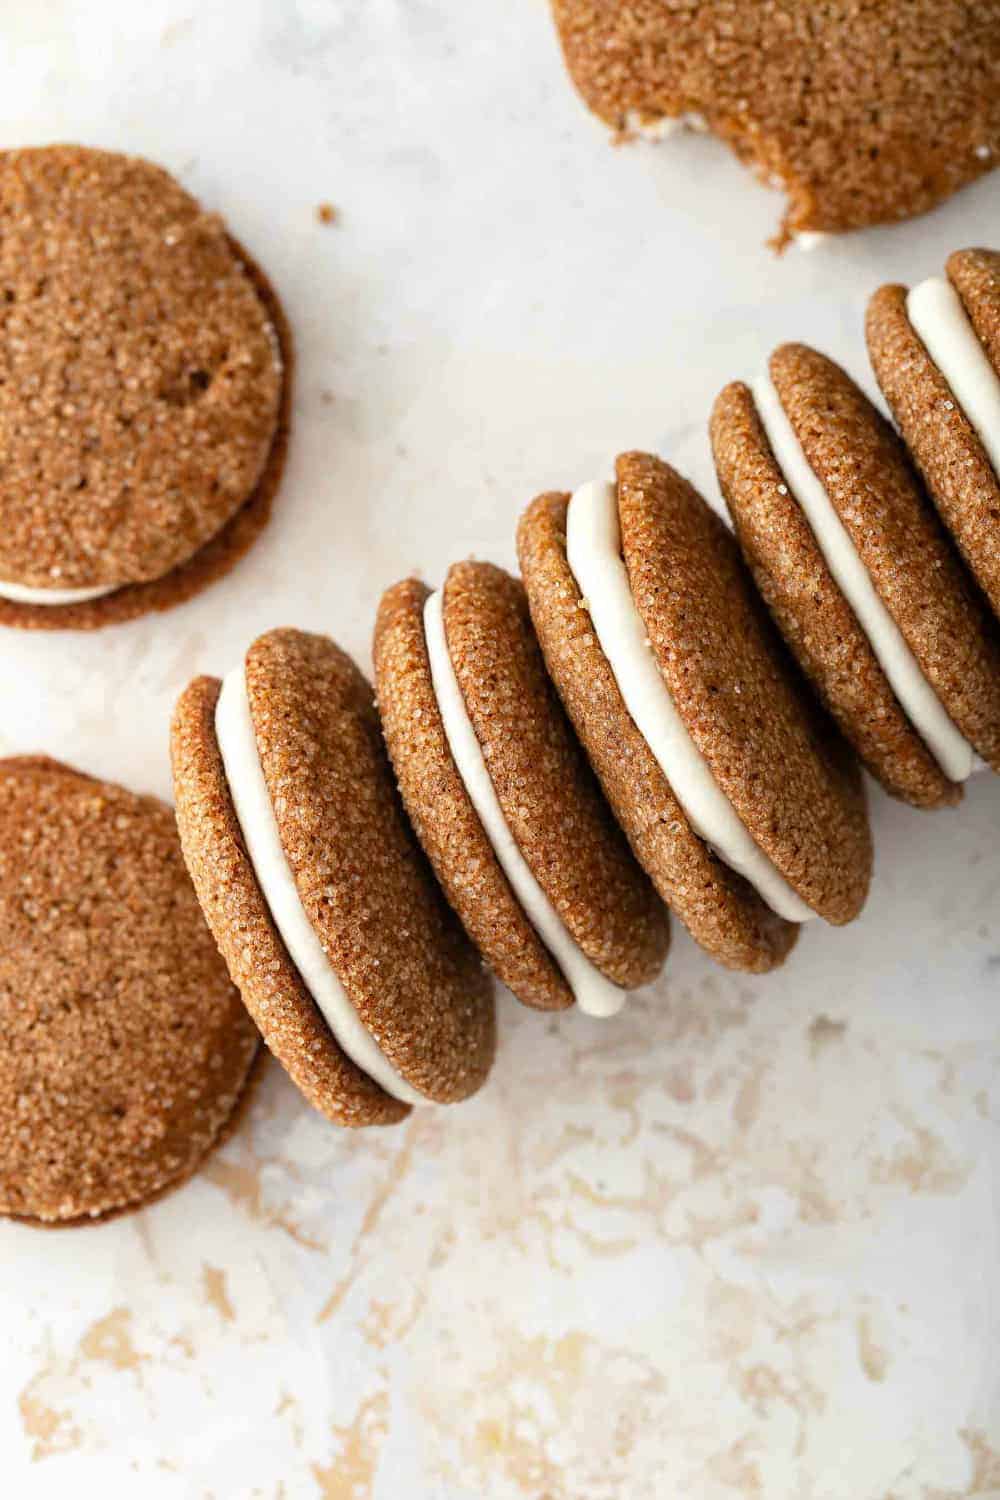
[[744, 1240]]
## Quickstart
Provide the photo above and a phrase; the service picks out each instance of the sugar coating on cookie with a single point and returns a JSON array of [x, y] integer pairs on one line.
[[892, 525], [860, 114], [412, 979], [810, 610], [142, 377], [238, 747], [903, 672], [943, 326], [975, 275], [720, 910], [123, 1047], [595, 994], [942, 440], [593, 551], [258, 961], [550, 799], [779, 762], [442, 814]]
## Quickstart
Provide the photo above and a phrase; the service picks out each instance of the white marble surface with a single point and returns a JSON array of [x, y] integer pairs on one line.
[[744, 1240]]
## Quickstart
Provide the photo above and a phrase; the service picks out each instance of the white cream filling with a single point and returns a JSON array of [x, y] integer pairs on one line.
[[664, 126], [595, 995], [917, 697], [811, 239], [21, 593], [937, 316], [593, 550], [252, 801]]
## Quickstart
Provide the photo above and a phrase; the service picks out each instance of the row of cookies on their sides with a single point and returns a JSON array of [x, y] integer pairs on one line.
[[622, 731], [634, 670]]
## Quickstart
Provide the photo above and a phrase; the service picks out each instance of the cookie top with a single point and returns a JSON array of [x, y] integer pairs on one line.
[[975, 275], [942, 441], [410, 974], [549, 796], [140, 372], [441, 811], [865, 472], [124, 1046], [867, 479], [863, 114], [217, 556], [721, 910], [778, 761]]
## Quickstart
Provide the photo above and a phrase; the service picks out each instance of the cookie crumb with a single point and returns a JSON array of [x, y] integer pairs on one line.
[[326, 213]]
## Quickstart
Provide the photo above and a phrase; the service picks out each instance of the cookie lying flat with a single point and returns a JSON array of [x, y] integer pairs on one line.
[[862, 114], [123, 1046], [359, 977], [144, 390], [936, 354], [859, 575], [503, 802], [740, 801]]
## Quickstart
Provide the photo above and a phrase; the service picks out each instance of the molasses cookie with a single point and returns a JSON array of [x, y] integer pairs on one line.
[[859, 575], [861, 114], [123, 1046], [739, 799], [357, 973], [936, 353], [144, 390], [504, 803]]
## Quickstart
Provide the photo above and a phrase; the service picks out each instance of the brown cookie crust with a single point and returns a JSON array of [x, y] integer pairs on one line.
[[140, 377], [809, 609], [124, 1046], [220, 554], [898, 535], [941, 439], [975, 275], [862, 113], [411, 974], [548, 793], [722, 911], [441, 811], [780, 762], [241, 924]]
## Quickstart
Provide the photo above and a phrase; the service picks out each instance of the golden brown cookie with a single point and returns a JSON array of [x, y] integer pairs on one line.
[[942, 441], [547, 795], [408, 976], [719, 908], [781, 765], [737, 795], [440, 810], [907, 557], [975, 275], [862, 114], [124, 1046], [144, 388]]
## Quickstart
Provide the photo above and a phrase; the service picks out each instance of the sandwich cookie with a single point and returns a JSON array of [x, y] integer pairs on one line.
[[355, 970], [145, 373], [124, 1048], [859, 575], [502, 799], [738, 798], [936, 353]]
